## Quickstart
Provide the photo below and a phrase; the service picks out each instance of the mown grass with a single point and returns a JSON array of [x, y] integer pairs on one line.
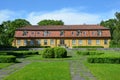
[[42, 71], [105, 71], [3, 65]]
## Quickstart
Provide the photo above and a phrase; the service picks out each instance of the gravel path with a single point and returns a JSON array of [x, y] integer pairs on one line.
[[13, 68], [79, 70]]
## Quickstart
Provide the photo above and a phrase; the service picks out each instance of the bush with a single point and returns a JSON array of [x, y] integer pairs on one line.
[[34, 47], [89, 53], [7, 59], [48, 53], [87, 47], [82, 52], [101, 59], [60, 52]]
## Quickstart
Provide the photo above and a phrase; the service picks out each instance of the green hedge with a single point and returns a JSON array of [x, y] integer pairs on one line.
[[56, 52], [87, 47], [7, 59], [101, 59], [60, 52], [48, 53], [34, 47], [89, 53]]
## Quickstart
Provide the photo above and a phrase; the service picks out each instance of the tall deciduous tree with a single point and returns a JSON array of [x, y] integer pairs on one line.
[[8, 29], [50, 22]]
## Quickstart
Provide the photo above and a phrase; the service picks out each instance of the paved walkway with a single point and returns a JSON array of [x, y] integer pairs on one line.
[[13, 68], [79, 70]]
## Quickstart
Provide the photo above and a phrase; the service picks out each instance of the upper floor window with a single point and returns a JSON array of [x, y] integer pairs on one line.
[[62, 33], [98, 42], [78, 32], [105, 41], [89, 41], [25, 33], [38, 32], [32, 33], [73, 41], [93, 33], [45, 33], [99, 32], [72, 33], [84, 33]]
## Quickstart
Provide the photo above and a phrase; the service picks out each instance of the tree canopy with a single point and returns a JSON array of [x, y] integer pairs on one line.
[[50, 22], [7, 30], [114, 25]]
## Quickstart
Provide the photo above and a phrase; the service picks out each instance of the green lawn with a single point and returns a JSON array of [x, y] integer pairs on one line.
[[42, 71], [105, 71], [3, 65]]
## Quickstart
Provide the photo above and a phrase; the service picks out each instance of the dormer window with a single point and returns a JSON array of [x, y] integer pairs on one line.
[[32, 33], [61, 33], [25, 33], [99, 32], [38, 32], [45, 33], [78, 32]]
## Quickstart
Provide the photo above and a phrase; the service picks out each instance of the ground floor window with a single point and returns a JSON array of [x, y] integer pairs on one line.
[[105, 41], [73, 41], [38, 42], [52, 41], [25, 42], [31, 42], [18, 42], [45, 41], [97, 42], [89, 42], [80, 41]]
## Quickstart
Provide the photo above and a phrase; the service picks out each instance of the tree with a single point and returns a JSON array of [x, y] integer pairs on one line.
[[8, 29], [50, 22]]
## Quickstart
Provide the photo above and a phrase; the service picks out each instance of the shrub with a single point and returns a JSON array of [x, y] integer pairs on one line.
[[89, 53], [34, 47], [60, 52], [48, 53], [101, 59], [7, 59], [87, 47], [82, 52]]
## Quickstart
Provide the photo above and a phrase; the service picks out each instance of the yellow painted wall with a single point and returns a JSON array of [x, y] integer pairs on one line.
[[68, 42]]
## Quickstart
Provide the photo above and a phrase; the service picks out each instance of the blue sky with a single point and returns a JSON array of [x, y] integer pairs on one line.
[[70, 11]]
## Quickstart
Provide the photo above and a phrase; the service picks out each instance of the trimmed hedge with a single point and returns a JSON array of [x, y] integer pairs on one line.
[[60, 52], [105, 59], [87, 47], [34, 47], [48, 53], [89, 53], [7, 59], [57, 52]]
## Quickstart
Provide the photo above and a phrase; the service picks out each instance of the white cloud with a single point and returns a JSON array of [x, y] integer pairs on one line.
[[67, 15]]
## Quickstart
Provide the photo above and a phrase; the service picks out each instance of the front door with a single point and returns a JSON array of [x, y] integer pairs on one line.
[[61, 41]]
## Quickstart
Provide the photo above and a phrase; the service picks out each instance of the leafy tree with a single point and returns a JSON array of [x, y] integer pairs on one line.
[[7, 30], [50, 22]]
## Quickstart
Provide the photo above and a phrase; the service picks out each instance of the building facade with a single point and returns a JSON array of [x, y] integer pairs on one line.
[[66, 35]]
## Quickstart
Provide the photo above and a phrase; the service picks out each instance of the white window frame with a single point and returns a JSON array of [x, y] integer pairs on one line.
[[80, 41], [105, 41], [18, 42], [89, 41], [45, 41], [51, 41], [39, 42], [73, 41], [31, 42], [97, 42], [25, 42]]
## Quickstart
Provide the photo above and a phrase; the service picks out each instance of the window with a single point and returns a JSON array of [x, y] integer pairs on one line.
[[18, 42], [61, 33], [45, 33], [32, 33], [84, 33], [52, 41], [72, 33], [78, 32], [25, 42], [31, 42], [25, 33], [38, 32], [73, 41], [38, 42], [105, 41], [45, 41], [80, 41], [89, 41], [93, 33], [99, 33], [97, 41]]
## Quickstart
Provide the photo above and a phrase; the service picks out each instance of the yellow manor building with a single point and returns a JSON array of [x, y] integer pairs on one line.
[[64, 35]]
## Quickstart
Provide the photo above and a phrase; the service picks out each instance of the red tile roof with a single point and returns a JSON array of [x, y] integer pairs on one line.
[[63, 27]]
